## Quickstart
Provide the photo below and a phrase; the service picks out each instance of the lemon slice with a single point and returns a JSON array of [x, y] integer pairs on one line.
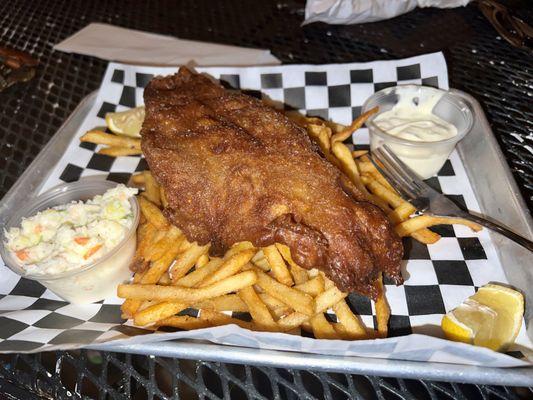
[[126, 123], [490, 318]]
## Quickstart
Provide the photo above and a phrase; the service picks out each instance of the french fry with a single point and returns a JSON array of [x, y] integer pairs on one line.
[[280, 312], [228, 302], [99, 137], [187, 295], [292, 321], [257, 309], [344, 334], [312, 287], [349, 167], [328, 283], [115, 151], [271, 302], [138, 179], [321, 134], [161, 246], [328, 299], [353, 328], [401, 213], [356, 124], [260, 261], [185, 322], [406, 228], [425, 236], [383, 193], [202, 261], [206, 319], [366, 167], [359, 153], [382, 310], [237, 248], [165, 279], [277, 265], [347, 162], [276, 307], [299, 301], [151, 191], [157, 312], [215, 318], [152, 213], [145, 234], [197, 276], [130, 307], [313, 272], [160, 266], [142, 219], [298, 273], [186, 260], [231, 266], [163, 196], [306, 326], [402, 209], [322, 329], [145, 304]]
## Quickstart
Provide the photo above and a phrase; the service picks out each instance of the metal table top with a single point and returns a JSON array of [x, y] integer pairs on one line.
[[479, 61]]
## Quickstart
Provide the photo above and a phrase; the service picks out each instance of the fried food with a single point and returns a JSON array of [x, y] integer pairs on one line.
[[423, 221], [187, 295], [234, 169], [231, 284], [173, 272], [116, 151], [99, 137]]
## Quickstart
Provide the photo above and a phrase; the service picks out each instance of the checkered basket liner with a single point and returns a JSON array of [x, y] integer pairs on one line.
[[438, 277]]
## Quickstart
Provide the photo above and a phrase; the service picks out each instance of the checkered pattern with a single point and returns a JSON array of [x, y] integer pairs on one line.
[[438, 277]]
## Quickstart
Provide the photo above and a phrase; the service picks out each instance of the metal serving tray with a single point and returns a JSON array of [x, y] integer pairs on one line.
[[498, 197]]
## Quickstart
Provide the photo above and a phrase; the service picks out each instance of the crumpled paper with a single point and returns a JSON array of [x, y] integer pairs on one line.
[[136, 47], [345, 12]]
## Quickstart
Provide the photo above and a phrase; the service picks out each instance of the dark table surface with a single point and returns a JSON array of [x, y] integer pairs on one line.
[[479, 60]]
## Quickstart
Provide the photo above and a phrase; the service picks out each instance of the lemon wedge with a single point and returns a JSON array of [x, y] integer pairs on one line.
[[126, 123], [490, 318]]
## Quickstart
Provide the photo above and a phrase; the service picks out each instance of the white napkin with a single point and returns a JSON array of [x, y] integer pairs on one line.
[[345, 12], [136, 47]]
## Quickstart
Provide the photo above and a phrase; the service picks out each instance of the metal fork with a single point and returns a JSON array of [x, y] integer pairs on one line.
[[427, 200]]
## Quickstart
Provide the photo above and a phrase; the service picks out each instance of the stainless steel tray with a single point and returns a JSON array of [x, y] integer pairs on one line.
[[496, 192]]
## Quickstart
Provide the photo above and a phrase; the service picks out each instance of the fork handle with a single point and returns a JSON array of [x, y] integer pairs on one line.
[[528, 244]]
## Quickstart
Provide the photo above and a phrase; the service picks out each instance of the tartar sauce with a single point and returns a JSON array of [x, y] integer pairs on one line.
[[412, 119], [66, 237]]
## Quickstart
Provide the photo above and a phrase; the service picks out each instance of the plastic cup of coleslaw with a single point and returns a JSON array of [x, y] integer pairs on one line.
[[425, 158], [86, 283]]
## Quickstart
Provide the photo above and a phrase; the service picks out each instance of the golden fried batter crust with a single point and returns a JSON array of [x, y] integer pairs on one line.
[[235, 169]]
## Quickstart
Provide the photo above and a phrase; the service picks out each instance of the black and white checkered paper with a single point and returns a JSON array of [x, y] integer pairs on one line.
[[438, 277]]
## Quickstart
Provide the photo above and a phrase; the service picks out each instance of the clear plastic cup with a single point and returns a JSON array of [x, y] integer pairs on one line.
[[423, 157], [88, 283]]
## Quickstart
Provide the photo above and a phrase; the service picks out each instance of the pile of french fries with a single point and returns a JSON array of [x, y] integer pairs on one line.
[[174, 275], [362, 172], [116, 145]]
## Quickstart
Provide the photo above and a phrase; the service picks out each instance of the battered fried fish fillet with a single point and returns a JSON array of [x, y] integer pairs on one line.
[[235, 169]]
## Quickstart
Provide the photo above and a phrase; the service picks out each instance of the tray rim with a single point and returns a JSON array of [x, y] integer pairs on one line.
[[198, 350]]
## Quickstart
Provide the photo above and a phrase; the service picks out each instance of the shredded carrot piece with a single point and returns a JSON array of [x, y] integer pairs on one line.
[[92, 250], [82, 240], [22, 255]]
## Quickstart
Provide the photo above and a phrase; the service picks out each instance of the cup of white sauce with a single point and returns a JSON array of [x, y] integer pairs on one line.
[[420, 124]]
